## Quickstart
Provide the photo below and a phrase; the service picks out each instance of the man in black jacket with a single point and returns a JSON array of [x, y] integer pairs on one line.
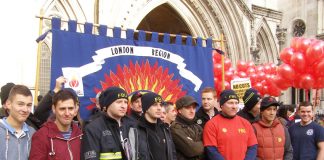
[[209, 106], [112, 135], [252, 103], [154, 137]]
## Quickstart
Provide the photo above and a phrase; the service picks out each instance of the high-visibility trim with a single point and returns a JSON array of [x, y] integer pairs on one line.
[[249, 97], [110, 155]]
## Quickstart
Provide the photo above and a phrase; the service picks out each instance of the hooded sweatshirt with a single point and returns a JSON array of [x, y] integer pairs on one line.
[[12, 145]]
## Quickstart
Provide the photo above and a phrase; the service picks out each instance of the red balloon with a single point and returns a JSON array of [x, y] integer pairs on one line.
[[242, 74], [254, 78], [259, 68], [298, 62], [319, 83], [303, 44], [242, 66], [227, 63], [250, 64], [319, 69], [315, 52], [286, 72], [294, 41], [281, 83], [274, 91], [216, 81], [258, 86], [306, 81], [217, 69], [261, 76], [273, 68], [250, 70], [219, 86], [217, 57], [285, 55], [229, 75], [267, 69]]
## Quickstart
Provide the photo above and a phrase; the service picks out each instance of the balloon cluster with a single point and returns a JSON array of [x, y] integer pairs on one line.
[[261, 76], [303, 65]]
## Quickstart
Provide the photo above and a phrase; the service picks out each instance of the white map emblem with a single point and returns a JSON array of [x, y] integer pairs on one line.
[[310, 132]]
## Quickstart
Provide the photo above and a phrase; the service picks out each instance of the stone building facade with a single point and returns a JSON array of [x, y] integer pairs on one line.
[[254, 30]]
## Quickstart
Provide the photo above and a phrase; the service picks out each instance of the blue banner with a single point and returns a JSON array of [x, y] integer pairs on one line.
[[92, 63]]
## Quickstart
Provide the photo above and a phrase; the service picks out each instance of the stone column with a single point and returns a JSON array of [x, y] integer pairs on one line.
[[281, 36]]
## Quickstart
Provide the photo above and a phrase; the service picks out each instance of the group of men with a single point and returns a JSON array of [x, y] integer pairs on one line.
[[158, 130]]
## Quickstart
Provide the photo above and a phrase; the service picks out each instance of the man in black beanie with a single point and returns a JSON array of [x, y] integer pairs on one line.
[[155, 142], [112, 135], [136, 106], [227, 136], [252, 102]]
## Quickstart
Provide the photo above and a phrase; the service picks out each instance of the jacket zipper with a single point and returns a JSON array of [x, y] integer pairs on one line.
[[273, 143], [68, 144], [19, 148], [69, 148]]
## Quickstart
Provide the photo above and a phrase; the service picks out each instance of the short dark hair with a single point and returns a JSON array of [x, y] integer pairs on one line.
[[64, 95], [19, 89], [305, 104]]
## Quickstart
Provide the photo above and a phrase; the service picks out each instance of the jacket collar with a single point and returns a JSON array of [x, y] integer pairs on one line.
[[274, 123], [54, 132], [181, 119]]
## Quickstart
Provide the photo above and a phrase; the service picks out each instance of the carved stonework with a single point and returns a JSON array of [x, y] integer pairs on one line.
[[245, 9], [255, 52], [281, 35], [266, 12]]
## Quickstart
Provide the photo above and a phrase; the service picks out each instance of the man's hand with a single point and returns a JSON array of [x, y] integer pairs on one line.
[[59, 82]]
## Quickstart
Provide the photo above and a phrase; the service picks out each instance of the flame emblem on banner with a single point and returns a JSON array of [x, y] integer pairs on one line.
[[144, 77], [74, 82]]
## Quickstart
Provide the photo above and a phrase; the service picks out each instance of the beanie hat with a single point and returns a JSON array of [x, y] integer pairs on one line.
[[185, 101], [5, 90], [108, 96], [149, 99], [267, 102], [251, 98], [227, 95], [135, 96]]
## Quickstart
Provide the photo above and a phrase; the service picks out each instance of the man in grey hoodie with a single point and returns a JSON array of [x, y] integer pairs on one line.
[[15, 134]]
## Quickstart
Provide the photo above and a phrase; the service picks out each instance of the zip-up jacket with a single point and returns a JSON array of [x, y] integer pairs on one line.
[[274, 141], [13, 147], [187, 137], [48, 143], [102, 139], [202, 117], [148, 148]]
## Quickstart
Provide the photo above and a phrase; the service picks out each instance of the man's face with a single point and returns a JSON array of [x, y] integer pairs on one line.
[[118, 108], [306, 114], [172, 113], [163, 115], [155, 111], [19, 107], [269, 114], [208, 100], [64, 112], [256, 108], [230, 107], [137, 105], [188, 111]]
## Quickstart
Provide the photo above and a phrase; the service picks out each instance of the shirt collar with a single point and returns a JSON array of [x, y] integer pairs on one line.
[[11, 129]]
